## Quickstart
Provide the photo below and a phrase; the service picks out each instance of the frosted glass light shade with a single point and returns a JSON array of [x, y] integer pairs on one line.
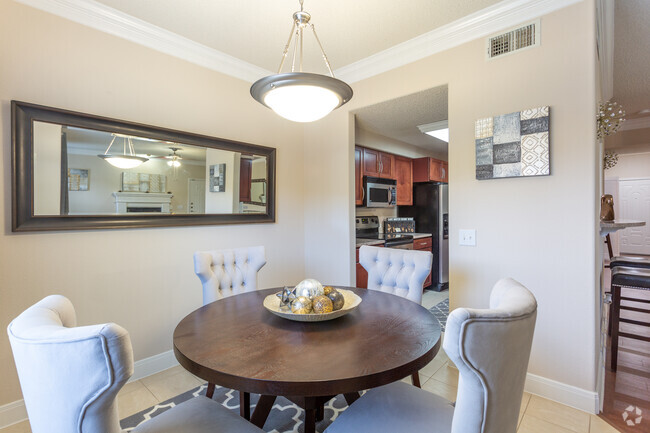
[[174, 163], [302, 103], [301, 96], [124, 161]]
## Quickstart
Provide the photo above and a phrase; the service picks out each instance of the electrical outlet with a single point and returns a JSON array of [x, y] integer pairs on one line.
[[467, 237]]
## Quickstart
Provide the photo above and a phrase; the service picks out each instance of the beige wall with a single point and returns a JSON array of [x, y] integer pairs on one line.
[[142, 279], [541, 230], [630, 165], [47, 169]]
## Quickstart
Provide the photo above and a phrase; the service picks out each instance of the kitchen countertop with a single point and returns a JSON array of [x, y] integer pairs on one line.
[[607, 227], [361, 241]]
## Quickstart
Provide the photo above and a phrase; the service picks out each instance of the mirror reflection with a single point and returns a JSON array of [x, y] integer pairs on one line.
[[80, 171]]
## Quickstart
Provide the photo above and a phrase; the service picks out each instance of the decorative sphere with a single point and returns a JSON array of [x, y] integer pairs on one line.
[[328, 289], [337, 300], [322, 304], [309, 288], [301, 305]]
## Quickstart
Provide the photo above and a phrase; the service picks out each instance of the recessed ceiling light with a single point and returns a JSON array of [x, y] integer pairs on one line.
[[439, 130]]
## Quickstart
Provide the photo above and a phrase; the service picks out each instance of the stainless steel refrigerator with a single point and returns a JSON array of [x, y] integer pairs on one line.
[[431, 213]]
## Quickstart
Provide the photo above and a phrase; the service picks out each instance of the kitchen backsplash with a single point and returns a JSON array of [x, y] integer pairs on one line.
[[381, 212]]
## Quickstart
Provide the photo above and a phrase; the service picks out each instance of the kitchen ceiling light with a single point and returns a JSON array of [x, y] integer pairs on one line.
[[123, 160], [301, 96], [439, 130]]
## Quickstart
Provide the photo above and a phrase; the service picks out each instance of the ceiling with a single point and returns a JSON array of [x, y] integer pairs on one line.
[[256, 31], [89, 141], [399, 118], [631, 74]]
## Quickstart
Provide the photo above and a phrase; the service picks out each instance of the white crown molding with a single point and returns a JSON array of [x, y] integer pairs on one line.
[[480, 24], [483, 23], [103, 18], [639, 123]]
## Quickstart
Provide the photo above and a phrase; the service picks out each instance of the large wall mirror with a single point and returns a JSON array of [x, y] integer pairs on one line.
[[79, 171]]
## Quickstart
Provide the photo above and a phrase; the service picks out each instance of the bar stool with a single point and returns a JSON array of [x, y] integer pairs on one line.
[[630, 278], [628, 262]]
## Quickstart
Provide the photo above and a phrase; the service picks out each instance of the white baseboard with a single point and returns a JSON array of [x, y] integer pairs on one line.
[[15, 412], [12, 413], [562, 393], [153, 364], [578, 398]]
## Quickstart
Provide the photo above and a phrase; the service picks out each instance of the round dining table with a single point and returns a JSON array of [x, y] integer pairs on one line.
[[236, 343]]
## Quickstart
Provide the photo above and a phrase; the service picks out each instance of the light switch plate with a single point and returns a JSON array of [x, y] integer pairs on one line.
[[467, 237]]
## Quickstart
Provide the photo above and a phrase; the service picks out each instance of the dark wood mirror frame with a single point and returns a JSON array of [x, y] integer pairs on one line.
[[22, 194]]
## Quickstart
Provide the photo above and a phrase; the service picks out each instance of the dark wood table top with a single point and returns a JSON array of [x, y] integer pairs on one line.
[[235, 342]]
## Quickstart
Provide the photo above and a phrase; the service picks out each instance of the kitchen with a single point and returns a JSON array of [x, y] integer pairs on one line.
[[401, 179]]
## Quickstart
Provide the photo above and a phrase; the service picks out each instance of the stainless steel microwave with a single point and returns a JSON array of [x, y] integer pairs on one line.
[[379, 192]]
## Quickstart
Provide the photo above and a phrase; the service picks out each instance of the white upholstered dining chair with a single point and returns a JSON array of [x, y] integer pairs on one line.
[[70, 377], [228, 272], [491, 349], [397, 271]]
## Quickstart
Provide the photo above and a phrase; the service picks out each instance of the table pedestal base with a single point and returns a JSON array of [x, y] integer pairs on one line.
[[313, 407]]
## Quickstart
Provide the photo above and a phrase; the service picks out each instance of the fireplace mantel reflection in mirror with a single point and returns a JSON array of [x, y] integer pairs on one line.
[[78, 171]]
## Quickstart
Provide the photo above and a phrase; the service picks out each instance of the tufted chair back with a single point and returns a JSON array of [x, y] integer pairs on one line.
[[69, 376], [396, 271], [491, 349], [228, 272]]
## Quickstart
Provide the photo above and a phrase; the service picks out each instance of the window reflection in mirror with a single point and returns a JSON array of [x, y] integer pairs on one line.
[[74, 174]]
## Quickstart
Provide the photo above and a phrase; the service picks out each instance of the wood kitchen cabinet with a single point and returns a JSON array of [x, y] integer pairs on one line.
[[404, 175], [378, 164], [423, 244], [358, 176], [362, 274], [430, 170], [245, 173]]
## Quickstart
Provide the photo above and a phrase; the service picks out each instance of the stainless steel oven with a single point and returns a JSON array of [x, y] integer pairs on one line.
[[379, 192]]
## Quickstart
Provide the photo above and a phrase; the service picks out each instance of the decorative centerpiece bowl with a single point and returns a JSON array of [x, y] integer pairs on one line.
[[273, 304]]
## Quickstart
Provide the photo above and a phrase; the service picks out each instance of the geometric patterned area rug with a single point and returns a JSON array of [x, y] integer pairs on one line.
[[286, 417], [440, 311]]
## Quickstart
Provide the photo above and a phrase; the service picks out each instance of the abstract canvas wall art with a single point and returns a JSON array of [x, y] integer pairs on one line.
[[513, 145], [78, 179]]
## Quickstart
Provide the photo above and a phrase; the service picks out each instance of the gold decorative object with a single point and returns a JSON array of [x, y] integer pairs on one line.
[[322, 304], [327, 290], [337, 299], [610, 117], [607, 208], [301, 305], [351, 302], [610, 159], [309, 288]]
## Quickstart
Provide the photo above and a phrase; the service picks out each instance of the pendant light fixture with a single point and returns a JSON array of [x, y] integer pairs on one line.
[[123, 160], [300, 96]]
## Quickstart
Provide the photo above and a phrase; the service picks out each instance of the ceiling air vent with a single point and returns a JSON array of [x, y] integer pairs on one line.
[[526, 36]]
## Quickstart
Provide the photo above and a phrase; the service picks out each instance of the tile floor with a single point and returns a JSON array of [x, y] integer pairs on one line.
[[537, 415]]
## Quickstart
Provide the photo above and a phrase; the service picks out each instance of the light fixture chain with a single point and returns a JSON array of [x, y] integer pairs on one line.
[[327, 62], [301, 47], [131, 149], [109, 146], [295, 49], [286, 47]]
